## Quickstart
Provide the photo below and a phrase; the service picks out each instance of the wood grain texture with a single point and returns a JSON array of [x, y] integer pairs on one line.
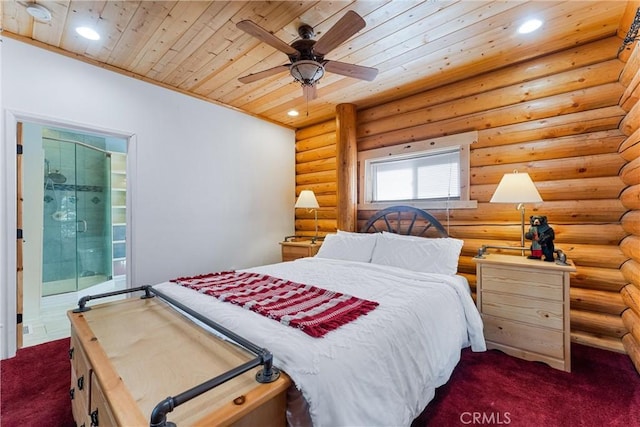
[[630, 147], [117, 337], [575, 160], [630, 197], [598, 341], [524, 306], [609, 325], [631, 321], [598, 301], [630, 122], [631, 297], [632, 347], [631, 272], [195, 47], [347, 167], [630, 172]]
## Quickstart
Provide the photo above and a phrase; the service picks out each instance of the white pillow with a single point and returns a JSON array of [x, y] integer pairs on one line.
[[404, 236], [363, 236], [421, 254], [348, 246]]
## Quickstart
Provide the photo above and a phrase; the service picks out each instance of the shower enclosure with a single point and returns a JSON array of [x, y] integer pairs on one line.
[[77, 241]]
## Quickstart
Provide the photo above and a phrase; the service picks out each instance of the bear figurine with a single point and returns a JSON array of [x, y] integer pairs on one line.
[[541, 236]]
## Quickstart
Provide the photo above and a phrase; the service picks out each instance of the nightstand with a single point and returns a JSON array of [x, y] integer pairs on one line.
[[524, 304], [299, 249]]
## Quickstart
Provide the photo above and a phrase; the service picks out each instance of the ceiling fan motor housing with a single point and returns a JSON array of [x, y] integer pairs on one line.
[[306, 31], [305, 51]]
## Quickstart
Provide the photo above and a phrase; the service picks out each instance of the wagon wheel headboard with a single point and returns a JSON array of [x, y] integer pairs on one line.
[[393, 219]]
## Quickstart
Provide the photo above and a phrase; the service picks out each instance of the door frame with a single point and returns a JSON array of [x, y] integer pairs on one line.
[[9, 277]]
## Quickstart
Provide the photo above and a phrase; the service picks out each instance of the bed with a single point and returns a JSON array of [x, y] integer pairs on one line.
[[382, 367]]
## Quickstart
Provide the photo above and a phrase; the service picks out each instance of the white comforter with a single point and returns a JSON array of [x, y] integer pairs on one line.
[[379, 370]]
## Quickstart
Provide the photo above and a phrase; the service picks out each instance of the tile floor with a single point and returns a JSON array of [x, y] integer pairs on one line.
[[51, 323]]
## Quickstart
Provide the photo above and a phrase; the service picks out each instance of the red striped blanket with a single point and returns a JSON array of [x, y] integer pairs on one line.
[[313, 310]]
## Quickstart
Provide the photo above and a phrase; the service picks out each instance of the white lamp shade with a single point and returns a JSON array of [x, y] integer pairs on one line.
[[307, 200], [516, 188]]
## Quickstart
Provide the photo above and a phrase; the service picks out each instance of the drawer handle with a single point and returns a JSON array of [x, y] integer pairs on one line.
[[71, 353], [72, 393], [81, 383], [94, 418]]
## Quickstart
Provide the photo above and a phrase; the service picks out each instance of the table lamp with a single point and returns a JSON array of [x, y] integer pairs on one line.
[[517, 188], [307, 200]]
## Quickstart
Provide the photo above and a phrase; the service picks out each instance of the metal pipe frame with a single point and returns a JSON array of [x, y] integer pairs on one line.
[[264, 358], [483, 249], [561, 260]]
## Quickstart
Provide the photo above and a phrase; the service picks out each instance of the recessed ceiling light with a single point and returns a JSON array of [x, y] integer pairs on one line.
[[293, 113], [530, 26], [39, 12], [88, 33]]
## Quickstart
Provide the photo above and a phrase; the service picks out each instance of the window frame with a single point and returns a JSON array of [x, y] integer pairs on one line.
[[407, 150]]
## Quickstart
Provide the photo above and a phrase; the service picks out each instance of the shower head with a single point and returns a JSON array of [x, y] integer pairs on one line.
[[57, 178]]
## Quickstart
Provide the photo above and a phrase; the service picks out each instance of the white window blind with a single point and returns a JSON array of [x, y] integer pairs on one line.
[[429, 174], [426, 176]]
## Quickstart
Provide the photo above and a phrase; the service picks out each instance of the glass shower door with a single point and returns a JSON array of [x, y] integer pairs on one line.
[[93, 216], [77, 217]]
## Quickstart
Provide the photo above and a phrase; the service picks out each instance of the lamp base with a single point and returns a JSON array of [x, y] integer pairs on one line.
[[520, 207]]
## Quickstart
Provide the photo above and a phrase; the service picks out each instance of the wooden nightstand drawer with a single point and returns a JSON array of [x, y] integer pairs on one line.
[[526, 282], [542, 341], [299, 249], [549, 314], [524, 305], [295, 251], [99, 410], [80, 378]]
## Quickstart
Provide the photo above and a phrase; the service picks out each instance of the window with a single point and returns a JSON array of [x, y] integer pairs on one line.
[[428, 174], [424, 176]]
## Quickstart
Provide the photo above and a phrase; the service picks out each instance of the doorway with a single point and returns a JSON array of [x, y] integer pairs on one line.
[[73, 222]]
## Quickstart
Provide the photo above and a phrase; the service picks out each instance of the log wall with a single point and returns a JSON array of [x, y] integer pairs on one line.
[[629, 150], [568, 120]]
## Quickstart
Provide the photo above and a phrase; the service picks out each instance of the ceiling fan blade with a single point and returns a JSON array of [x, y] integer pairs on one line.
[[250, 78], [346, 26], [260, 33], [309, 92], [351, 70]]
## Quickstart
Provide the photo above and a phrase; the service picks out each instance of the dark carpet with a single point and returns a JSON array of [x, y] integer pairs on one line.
[[491, 388], [35, 387], [488, 389]]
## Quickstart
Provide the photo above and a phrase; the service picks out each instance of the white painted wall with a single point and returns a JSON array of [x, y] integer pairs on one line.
[[210, 188]]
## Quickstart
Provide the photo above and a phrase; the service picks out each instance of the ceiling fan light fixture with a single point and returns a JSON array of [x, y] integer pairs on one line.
[[307, 72]]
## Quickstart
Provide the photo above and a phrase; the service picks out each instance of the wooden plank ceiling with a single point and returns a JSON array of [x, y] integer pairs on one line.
[[196, 48]]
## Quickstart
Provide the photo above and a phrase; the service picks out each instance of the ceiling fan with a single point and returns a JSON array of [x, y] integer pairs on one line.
[[307, 63]]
